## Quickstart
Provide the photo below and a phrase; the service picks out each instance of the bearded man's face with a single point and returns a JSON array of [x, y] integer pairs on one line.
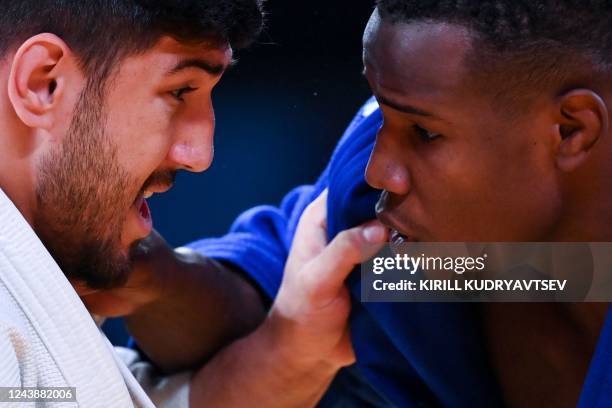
[[126, 140]]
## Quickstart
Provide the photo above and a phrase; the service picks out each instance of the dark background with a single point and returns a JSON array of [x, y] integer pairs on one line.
[[280, 112]]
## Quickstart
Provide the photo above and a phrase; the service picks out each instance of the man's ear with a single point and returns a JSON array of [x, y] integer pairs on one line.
[[582, 121], [37, 79]]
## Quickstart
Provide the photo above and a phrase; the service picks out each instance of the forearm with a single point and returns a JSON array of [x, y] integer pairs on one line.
[[261, 370], [204, 306]]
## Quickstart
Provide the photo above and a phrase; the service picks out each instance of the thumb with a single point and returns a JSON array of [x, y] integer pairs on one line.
[[329, 270]]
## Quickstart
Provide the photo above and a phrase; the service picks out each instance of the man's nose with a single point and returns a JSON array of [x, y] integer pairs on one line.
[[386, 168], [193, 149]]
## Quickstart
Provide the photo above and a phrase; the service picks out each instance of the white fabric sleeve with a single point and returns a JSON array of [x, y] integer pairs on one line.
[[166, 391]]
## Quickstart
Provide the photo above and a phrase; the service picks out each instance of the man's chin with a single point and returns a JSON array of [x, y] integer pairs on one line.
[[98, 268], [82, 289], [111, 273]]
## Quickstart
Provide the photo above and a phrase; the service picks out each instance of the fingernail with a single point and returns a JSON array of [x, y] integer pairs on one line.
[[374, 233]]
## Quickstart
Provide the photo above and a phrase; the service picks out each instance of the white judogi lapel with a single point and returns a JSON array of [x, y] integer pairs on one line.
[[61, 322]]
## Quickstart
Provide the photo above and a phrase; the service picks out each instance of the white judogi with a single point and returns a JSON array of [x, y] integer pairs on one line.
[[49, 339]]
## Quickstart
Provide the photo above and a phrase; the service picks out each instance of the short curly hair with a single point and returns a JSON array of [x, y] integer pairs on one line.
[[100, 31], [531, 43]]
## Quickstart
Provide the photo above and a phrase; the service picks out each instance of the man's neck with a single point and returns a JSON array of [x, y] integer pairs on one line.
[[586, 222], [16, 181], [548, 344], [587, 198]]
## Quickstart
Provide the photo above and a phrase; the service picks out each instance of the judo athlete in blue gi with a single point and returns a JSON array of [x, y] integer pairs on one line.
[[490, 123]]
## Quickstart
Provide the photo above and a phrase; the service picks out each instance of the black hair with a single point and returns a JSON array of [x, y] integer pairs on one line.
[[533, 43], [101, 31]]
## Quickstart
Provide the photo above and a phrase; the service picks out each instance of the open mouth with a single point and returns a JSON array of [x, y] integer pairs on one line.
[[143, 221], [142, 212], [142, 206]]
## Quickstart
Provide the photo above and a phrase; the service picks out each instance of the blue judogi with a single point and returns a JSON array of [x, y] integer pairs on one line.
[[408, 354]]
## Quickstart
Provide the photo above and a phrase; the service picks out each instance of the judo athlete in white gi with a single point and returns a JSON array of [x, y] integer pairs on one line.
[[101, 102], [48, 338]]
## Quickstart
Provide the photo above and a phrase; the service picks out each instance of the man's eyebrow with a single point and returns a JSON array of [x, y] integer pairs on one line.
[[210, 68], [403, 108], [398, 106]]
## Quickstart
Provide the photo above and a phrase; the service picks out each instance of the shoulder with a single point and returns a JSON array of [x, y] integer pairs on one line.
[[360, 135], [364, 124], [351, 201], [369, 110]]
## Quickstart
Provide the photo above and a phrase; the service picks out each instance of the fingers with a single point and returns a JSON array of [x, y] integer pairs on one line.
[[329, 270], [311, 234]]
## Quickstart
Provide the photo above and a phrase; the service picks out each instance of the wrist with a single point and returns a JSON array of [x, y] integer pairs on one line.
[[297, 353]]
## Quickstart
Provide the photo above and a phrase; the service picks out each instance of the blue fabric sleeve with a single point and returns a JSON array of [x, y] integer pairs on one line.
[[259, 240]]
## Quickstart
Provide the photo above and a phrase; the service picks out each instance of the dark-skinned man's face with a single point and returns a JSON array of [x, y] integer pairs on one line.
[[453, 165]]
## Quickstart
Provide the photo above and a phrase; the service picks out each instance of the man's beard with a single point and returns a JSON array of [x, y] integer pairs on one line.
[[83, 198]]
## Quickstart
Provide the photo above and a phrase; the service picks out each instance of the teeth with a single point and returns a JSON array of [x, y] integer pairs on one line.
[[397, 238], [147, 194]]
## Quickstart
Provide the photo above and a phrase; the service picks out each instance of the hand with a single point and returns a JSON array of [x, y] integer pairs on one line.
[[151, 262], [291, 359], [311, 310]]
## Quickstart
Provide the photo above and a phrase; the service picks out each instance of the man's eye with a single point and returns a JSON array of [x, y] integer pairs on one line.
[[180, 92], [425, 134]]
